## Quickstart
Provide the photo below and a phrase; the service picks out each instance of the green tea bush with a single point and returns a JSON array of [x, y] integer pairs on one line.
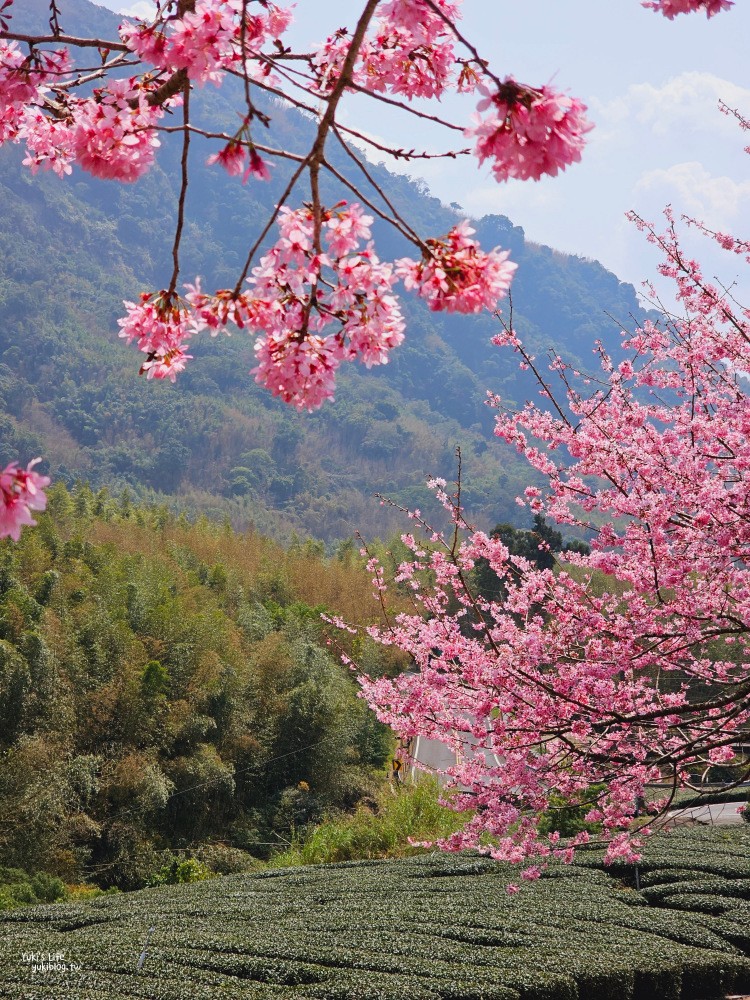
[[429, 927]]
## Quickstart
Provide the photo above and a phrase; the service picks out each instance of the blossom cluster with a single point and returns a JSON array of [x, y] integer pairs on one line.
[[319, 297], [161, 327], [23, 80], [316, 303], [621, 667], [113, 136], [410, 52], [527, 133], [241, 158], [21, 492], [110, 134], [671, 8], [456, 275], [215, 36]]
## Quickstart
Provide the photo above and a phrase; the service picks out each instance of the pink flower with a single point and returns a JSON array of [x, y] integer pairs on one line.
[[217, 311], [161, 329], [111, 139], [21, 491], [410, 52], [167, 364], [671, 8], [528, 133], [207, 40], [148, 42], [456, 275], [48, 143], [231, 158], [21, 75], [301, 372], [23, 80], [257, 168], [531, 874], [314, 310]]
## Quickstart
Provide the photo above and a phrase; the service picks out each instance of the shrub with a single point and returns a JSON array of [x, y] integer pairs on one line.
[[180, 872]]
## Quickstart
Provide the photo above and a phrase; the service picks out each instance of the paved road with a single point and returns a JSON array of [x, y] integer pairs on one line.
[[722, 814], [435, 757]]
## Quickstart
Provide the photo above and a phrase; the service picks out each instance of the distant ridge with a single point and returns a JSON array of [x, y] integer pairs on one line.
[[216, 443]]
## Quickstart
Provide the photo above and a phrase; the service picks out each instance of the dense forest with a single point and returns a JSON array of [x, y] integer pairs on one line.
[[215, 442], [167, 691]]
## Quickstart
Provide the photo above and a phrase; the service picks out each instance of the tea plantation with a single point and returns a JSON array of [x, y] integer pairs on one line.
[[434, 927]]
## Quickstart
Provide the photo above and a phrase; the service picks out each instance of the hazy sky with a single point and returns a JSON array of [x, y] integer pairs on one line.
[[652, 87]]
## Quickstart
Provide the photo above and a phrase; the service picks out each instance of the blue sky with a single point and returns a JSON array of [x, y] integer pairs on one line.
[[652, 87]]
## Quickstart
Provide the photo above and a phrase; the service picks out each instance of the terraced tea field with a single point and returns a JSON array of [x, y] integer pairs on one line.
[[427, 928]]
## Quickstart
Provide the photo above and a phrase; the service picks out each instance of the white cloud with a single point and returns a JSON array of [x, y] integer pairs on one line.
[[688, 101], [721, 201]]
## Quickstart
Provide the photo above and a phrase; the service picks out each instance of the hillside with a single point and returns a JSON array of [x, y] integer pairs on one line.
[[429, 928], [168, 687], [72, 251]]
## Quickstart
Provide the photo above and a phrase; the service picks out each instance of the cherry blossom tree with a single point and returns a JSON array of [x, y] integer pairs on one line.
[[623, 667], [320, 295]]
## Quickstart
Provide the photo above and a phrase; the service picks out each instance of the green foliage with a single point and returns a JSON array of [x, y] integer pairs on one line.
[[569, 818], [181, 872], [154, 679], [17, 888], [539, 545], [170, 689], [378, 829]]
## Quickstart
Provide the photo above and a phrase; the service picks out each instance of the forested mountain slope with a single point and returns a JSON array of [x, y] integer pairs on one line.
[[166, 685], [215, 442]]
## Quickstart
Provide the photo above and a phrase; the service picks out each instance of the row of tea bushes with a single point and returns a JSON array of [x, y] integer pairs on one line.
[[437, 927]]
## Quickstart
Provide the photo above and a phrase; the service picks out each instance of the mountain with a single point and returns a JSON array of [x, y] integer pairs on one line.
[[215, 442]]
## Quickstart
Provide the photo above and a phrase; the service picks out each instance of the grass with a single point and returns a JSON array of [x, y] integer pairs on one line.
[[400, 814]]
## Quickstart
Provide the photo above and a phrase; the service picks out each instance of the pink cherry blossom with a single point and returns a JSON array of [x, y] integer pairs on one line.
[[316, 308], [456, 275], [301, 372], [232, 158], [216, 312], [49, 142], [166, 364], [23, 82], [410, 52], [208, 40], [256, 167], [21, 491], [528, 133], [160, 327], [620, 667], [110, 138], [671, 8], [239, 156]]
